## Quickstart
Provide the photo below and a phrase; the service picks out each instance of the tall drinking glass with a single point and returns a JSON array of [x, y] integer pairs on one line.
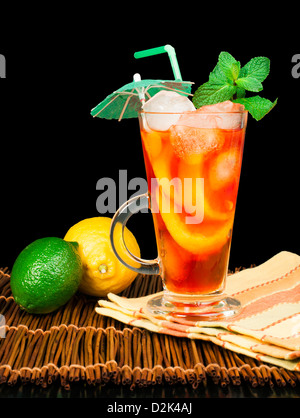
[[193, 169]]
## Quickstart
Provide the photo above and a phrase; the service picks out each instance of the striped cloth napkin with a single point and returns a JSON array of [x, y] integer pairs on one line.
[[267, 327]]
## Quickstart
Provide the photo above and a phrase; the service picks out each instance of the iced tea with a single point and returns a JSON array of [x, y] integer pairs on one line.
[[194, 244]]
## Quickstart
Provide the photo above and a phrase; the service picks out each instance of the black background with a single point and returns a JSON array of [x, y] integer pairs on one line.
[[61, 64]]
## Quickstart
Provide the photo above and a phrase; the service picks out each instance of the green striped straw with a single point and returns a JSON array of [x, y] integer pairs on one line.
[[160, 50]]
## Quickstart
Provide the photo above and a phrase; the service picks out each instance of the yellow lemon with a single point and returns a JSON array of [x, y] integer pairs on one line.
[[102, 271]]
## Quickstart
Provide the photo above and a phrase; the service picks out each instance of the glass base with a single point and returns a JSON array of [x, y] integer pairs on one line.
[[195, 308]]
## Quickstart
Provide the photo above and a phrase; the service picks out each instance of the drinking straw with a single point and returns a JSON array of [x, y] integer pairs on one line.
[[160, 50]]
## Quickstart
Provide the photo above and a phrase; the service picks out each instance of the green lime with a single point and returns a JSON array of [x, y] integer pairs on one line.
[[46, 275]]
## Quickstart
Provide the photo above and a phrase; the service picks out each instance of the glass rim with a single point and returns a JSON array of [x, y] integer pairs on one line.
[[193, 112]]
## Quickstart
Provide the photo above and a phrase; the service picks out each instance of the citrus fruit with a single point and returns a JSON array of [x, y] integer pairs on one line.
[[152, 142], [46, 274], [102, 271], [204, 241]]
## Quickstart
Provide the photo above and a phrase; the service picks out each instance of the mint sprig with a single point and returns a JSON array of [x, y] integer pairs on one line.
[[230, 81]]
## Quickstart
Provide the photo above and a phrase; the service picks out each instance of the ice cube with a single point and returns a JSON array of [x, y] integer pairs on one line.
[[226, 106], [188, 141], [224, 170], [197, 120], [225, 115], [168, 102]]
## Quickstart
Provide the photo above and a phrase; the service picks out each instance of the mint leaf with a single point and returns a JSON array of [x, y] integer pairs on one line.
[[229, 81], [257, 106], [229, 66], [217, 76], [258, 68], [240, 92], [211, 93], [249, 83]]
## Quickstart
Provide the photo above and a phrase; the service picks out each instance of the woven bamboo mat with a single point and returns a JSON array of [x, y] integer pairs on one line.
[[75, 343]]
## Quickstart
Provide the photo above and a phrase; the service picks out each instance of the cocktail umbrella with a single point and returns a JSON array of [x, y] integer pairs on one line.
[[128, 100]]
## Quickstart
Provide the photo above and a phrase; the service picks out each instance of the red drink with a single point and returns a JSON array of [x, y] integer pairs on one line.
[[193, 161], [194, 233]]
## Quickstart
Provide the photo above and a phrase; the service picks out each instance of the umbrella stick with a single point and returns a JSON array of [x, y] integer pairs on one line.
[[124, 108]]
